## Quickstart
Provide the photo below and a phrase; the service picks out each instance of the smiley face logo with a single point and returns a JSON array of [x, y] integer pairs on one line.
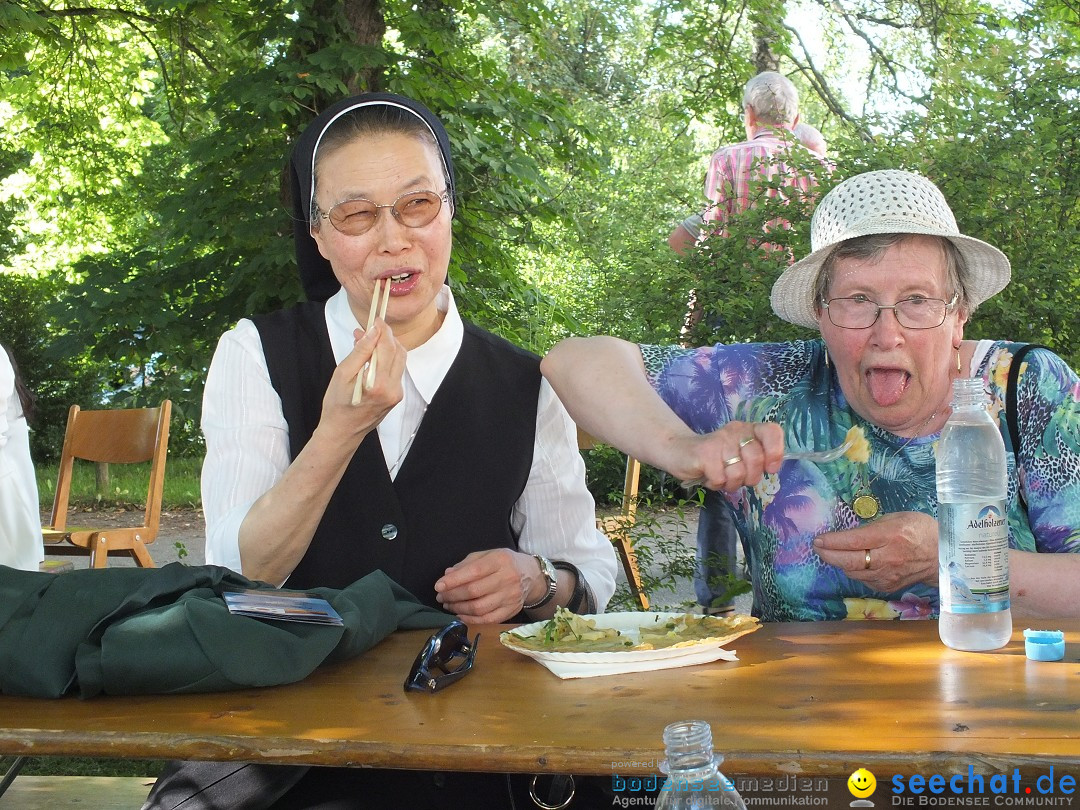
[[862, 783]]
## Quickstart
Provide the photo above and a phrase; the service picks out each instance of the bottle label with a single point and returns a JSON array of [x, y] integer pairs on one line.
[[973, 557]]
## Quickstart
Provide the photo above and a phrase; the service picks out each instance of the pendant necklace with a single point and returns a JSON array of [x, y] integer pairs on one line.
[[865, 503]]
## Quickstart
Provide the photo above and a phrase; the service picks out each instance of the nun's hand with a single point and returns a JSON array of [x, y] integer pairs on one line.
[[385, 392], [489, 586]]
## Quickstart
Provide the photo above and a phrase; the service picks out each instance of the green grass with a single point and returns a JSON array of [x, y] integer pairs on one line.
[[127, 484]]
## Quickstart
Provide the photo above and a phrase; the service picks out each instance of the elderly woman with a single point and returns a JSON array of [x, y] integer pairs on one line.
[[453, 467], [457, 472], [890, 285]]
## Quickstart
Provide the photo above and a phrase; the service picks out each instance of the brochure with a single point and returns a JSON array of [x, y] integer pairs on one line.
[[282, 606]]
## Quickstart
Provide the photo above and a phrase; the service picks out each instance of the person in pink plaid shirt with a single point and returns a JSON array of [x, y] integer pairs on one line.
[[770, 114]]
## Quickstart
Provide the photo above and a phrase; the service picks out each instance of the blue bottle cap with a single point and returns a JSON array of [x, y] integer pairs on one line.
[[1044, 645]]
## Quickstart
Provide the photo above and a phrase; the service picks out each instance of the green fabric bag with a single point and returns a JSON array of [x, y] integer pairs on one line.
[[130, 631]]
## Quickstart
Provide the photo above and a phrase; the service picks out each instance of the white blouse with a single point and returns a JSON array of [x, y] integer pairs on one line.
[[247, 446], [20, 520]]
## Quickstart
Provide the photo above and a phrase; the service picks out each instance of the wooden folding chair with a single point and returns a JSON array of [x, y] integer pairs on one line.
[[119, 436], [617, 527]]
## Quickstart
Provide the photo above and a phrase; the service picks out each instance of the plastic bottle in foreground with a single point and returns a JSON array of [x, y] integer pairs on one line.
[[693, 776], [973, 527]]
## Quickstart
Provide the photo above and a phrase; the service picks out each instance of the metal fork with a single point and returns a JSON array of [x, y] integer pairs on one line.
[[814, 456], [821, 456]]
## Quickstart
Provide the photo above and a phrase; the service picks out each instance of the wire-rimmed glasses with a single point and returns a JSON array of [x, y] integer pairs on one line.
[[914, 312], [414, 209], [448, 652]]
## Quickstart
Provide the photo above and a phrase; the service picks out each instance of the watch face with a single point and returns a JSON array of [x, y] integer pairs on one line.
[[549, 570]]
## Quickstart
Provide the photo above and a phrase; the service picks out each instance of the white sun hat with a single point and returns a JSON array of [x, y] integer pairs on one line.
[[888, 201]]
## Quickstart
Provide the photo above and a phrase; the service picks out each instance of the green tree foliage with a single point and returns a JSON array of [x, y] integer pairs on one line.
[[171, 201], [56, 381]]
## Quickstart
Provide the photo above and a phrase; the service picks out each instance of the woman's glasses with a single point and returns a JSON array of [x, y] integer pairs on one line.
[[447, 652], [413, 210], [916, 312]]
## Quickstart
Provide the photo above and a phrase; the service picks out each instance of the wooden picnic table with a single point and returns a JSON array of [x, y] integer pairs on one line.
[[809, 699]]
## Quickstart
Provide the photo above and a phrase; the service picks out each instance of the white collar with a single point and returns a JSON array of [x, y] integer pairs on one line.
[[428, 363]]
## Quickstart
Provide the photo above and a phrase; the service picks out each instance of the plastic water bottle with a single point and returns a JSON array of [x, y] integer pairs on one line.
[[694, 780], [973, 526]]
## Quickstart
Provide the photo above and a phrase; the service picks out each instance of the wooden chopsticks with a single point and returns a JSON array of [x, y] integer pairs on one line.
[[366, 378]]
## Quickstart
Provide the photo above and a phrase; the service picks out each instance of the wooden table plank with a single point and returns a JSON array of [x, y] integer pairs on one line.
[[814, 699]]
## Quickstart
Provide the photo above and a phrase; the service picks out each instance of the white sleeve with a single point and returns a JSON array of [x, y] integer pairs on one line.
[[20, 521], [247, 440], [556, 515], [7, 395]]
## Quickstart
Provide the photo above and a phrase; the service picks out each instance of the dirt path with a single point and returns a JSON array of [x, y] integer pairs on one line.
[[181, 526]]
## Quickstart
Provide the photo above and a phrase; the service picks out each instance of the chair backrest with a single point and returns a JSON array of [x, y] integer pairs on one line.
[[116, 436], [617, 527]]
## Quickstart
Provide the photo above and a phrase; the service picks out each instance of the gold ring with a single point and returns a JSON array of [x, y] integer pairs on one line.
[[867, 566], [746, 441], [733, 460]]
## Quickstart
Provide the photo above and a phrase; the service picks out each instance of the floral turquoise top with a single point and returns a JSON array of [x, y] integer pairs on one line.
[[791, 384]]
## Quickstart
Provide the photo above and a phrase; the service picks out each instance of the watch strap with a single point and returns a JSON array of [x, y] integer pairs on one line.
[[582, 600]]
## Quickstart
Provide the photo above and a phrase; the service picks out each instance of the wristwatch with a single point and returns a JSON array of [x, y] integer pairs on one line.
[[548, 570]]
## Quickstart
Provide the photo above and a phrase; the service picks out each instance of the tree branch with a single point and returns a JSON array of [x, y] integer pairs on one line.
[[95, 12], [879, 56], [821, 86]]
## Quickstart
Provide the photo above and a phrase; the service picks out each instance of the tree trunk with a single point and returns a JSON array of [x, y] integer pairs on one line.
[[365, 19], [768, 27], [764, 58]]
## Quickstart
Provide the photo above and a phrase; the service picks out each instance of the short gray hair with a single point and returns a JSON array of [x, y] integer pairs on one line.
[[873, 247], [772, 97]]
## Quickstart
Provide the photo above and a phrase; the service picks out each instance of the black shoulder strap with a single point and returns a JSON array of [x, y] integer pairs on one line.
[[1011, 418], [1010, 393]]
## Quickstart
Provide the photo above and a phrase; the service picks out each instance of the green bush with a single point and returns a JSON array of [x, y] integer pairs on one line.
[[666, 556], [56, 381], [605, 473]]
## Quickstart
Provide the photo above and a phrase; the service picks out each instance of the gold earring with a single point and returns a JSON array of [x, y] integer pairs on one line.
[[958, 369]]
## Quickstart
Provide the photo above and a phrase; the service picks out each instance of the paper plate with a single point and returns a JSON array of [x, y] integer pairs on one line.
[[591, 664]]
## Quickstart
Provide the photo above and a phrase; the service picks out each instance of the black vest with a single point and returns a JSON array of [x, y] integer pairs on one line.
[[454, 493]]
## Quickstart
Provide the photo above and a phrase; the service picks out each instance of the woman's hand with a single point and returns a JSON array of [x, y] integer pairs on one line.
[[902, 548], [338, 412], [738, 454], [488, 587], [279, 526]]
